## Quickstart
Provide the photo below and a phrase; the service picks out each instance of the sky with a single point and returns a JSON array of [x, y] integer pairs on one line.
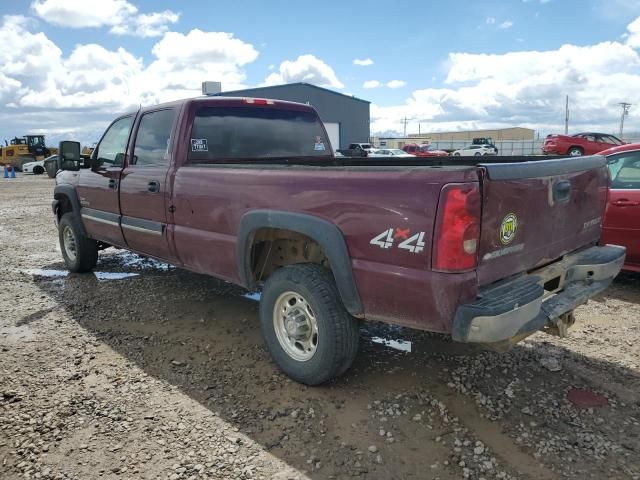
[[68, 67]]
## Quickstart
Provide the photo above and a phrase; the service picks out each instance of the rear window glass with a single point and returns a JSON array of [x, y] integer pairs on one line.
[[256, 133]]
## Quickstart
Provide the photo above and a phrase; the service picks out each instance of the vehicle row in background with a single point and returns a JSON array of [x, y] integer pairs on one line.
[[588, 143]]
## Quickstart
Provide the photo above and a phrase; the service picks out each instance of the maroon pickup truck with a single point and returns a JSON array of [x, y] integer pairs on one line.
[[248, 190]]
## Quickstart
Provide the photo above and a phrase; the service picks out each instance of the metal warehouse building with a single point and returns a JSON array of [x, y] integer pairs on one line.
[[345, 117]]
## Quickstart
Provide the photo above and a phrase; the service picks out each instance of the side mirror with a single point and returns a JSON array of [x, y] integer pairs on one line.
[[69, 156]]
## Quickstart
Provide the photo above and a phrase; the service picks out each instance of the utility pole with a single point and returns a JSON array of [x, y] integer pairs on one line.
[[566, 117], [625, 111], [405, 127]]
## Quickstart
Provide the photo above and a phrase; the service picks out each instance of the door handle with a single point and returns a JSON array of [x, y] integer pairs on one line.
[[113, 184], [153, 186], [623, 202]]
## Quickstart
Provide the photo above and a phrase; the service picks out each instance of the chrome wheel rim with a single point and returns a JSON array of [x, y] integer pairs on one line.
[[295, 325], [69, 243], [575, 153]]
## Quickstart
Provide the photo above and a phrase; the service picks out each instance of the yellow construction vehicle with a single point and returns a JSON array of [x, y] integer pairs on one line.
[[21, 150]]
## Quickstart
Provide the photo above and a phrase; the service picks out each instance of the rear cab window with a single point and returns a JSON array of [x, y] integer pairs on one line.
[[246, 132]]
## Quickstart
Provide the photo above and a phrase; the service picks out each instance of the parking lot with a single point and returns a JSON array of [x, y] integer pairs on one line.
[[142, 370]]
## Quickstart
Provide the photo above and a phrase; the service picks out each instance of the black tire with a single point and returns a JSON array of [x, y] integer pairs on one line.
[[456, 154], [38, 170], [575, 152], [337, 331], [86, 249], [477, 154]]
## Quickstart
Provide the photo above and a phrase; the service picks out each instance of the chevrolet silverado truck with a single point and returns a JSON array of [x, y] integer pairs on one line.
[[248, 190]]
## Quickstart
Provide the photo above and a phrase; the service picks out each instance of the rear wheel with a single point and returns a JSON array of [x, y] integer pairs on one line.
[[456, 154], [80, 252], [575, 151], [309, 333]]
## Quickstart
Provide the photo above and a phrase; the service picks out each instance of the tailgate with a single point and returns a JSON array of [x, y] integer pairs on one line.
[[535, 212]]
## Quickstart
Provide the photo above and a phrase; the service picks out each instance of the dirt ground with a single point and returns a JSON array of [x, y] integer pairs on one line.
[[163, 373]]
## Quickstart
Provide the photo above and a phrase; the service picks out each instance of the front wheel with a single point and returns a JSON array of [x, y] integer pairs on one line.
[[80, 252], [309, 333], [38, 170]]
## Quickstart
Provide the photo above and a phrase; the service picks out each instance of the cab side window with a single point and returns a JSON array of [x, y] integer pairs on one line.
[[153, 138], [625, 171], [113, 145]]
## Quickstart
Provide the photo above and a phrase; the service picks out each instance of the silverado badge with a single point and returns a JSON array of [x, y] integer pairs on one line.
[[508, 228]]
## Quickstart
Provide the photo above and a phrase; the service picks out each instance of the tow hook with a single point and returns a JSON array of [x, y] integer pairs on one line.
[[560, 325]]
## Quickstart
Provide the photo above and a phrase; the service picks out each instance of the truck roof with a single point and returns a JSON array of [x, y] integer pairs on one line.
[[227, 102]]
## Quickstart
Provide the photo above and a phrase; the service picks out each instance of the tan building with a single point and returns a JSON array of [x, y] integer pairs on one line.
[[498, 135]]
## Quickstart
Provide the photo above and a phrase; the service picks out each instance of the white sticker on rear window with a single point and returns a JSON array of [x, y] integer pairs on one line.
[[319, 146], [199, 145]]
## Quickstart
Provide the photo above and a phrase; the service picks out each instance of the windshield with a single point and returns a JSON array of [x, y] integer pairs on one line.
[[255, 133]]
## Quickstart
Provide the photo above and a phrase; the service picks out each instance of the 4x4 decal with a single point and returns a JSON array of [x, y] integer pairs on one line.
[[386, 239]]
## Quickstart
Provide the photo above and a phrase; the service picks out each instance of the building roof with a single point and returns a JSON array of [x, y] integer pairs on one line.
[[304, 84], [471, 130]]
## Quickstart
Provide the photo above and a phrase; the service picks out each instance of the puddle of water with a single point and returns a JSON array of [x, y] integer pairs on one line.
[[46, 273], [253, 296], [402, 345], [113, 275], [130, 259]]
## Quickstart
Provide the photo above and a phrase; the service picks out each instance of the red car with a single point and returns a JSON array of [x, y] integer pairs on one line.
[[622, 217], [424, 150], [579, 144]]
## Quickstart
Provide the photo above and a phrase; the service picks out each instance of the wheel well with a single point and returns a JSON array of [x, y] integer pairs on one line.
[[575, 146], [64, 206], [273, 248]]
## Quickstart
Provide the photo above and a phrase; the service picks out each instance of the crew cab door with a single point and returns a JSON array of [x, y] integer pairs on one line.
[[622, 218], [145, 188], [98, 186]]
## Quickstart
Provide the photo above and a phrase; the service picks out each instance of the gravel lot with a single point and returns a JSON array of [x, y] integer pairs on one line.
[[163, 374]]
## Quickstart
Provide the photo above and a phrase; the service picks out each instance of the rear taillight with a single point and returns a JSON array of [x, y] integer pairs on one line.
[[457, 228]]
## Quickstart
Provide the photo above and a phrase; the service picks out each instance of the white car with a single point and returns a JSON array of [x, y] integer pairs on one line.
[[476, 150], [37, 167], [392, 152]]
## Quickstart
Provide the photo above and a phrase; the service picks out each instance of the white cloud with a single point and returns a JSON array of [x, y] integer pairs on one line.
[[526, 88], [390, 84], [37, 77], [633, 37], [490, 21], [306, 68], [506, 24], [371, 84], [396, 83], [365, 62], [120, 15]]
